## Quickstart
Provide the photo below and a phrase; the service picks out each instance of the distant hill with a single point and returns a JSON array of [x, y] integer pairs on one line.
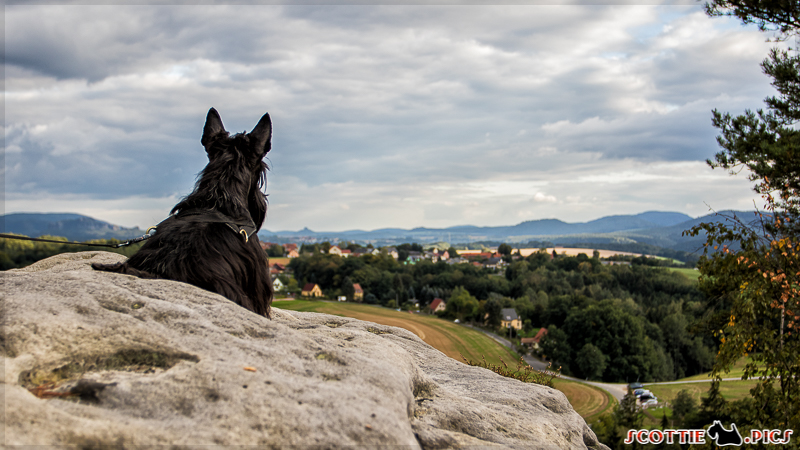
[[74, 227], [653, 228], [656, 228]]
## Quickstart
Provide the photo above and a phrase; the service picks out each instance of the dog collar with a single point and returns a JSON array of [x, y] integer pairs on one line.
[[244, 228]]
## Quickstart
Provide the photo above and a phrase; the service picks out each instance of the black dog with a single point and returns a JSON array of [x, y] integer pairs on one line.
[[210, 238]]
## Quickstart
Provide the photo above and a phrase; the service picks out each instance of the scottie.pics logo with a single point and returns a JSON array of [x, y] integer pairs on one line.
[[716, 433]]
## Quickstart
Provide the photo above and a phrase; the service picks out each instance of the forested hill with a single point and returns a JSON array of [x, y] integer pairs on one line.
[[614, 323], [74, 227]]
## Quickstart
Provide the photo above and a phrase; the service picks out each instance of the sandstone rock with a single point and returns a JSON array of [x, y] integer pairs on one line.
[[126, 362]]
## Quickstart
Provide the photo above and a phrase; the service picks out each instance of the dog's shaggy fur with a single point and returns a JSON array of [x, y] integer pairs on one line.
[[202, 250]]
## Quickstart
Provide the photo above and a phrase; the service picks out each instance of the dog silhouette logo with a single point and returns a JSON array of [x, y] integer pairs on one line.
[[724, 437]]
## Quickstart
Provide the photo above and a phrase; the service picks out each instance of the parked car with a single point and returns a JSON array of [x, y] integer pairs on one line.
[[639, 393], [651, 402], [634, 386]]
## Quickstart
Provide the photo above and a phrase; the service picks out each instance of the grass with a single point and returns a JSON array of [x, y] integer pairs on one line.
[[736, 371], [454, 340], [688, 273], [589, 401], [730, 390], [652, 417]]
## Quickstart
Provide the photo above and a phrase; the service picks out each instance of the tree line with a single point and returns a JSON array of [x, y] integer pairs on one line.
[[611, 323]]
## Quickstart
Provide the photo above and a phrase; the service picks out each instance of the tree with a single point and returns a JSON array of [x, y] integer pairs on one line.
[[555, 346], [770, 15], [347, 289], [504, 249], [751, 269], [276, 250], [591, 362], [628, 415], [461, 304], [683, 404], [402, 255], [493, 310]]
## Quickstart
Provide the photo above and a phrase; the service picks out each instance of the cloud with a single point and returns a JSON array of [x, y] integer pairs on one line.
[[544, 198], [406, 115]]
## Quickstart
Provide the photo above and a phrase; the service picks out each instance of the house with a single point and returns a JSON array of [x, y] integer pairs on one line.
[[456, 260], [365, 251], [392, 251], [478, 256], [509, 318], [346, 252], [335, 250], [311, 290], [438, 305], [431, 255], [277, 284], [494, 263], [538, 338], [443, 256], [534, 341], [277, 268], [358, 294], [291, 250]]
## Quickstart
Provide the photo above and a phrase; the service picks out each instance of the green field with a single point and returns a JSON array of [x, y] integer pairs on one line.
[[737, 371], [688, 273], [730, 390]]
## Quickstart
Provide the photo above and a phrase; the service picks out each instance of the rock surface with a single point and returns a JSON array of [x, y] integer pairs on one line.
[[96, 359]]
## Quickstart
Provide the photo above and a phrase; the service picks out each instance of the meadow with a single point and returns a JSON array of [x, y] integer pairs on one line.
[[730, 390], [688, 273]]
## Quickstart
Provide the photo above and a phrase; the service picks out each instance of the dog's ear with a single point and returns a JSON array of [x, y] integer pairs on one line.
[[213, 127], [261, 136]]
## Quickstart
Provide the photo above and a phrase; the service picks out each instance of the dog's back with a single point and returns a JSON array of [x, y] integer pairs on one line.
[[210, 240]]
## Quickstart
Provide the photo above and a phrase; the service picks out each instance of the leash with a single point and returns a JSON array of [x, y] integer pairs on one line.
[[245, 229], [89, 244]]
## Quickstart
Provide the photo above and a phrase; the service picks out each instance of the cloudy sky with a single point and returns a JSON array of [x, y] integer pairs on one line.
[[384, 116]]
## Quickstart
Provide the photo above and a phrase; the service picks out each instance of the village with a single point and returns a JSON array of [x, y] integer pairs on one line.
[[494, 260]]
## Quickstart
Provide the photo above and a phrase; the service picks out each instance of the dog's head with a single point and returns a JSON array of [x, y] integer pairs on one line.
[[241, 159]]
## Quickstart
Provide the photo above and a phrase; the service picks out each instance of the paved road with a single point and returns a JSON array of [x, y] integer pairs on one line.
[[617, 390]]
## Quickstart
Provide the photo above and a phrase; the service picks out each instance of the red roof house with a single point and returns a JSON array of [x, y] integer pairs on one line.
[[438, 305]]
